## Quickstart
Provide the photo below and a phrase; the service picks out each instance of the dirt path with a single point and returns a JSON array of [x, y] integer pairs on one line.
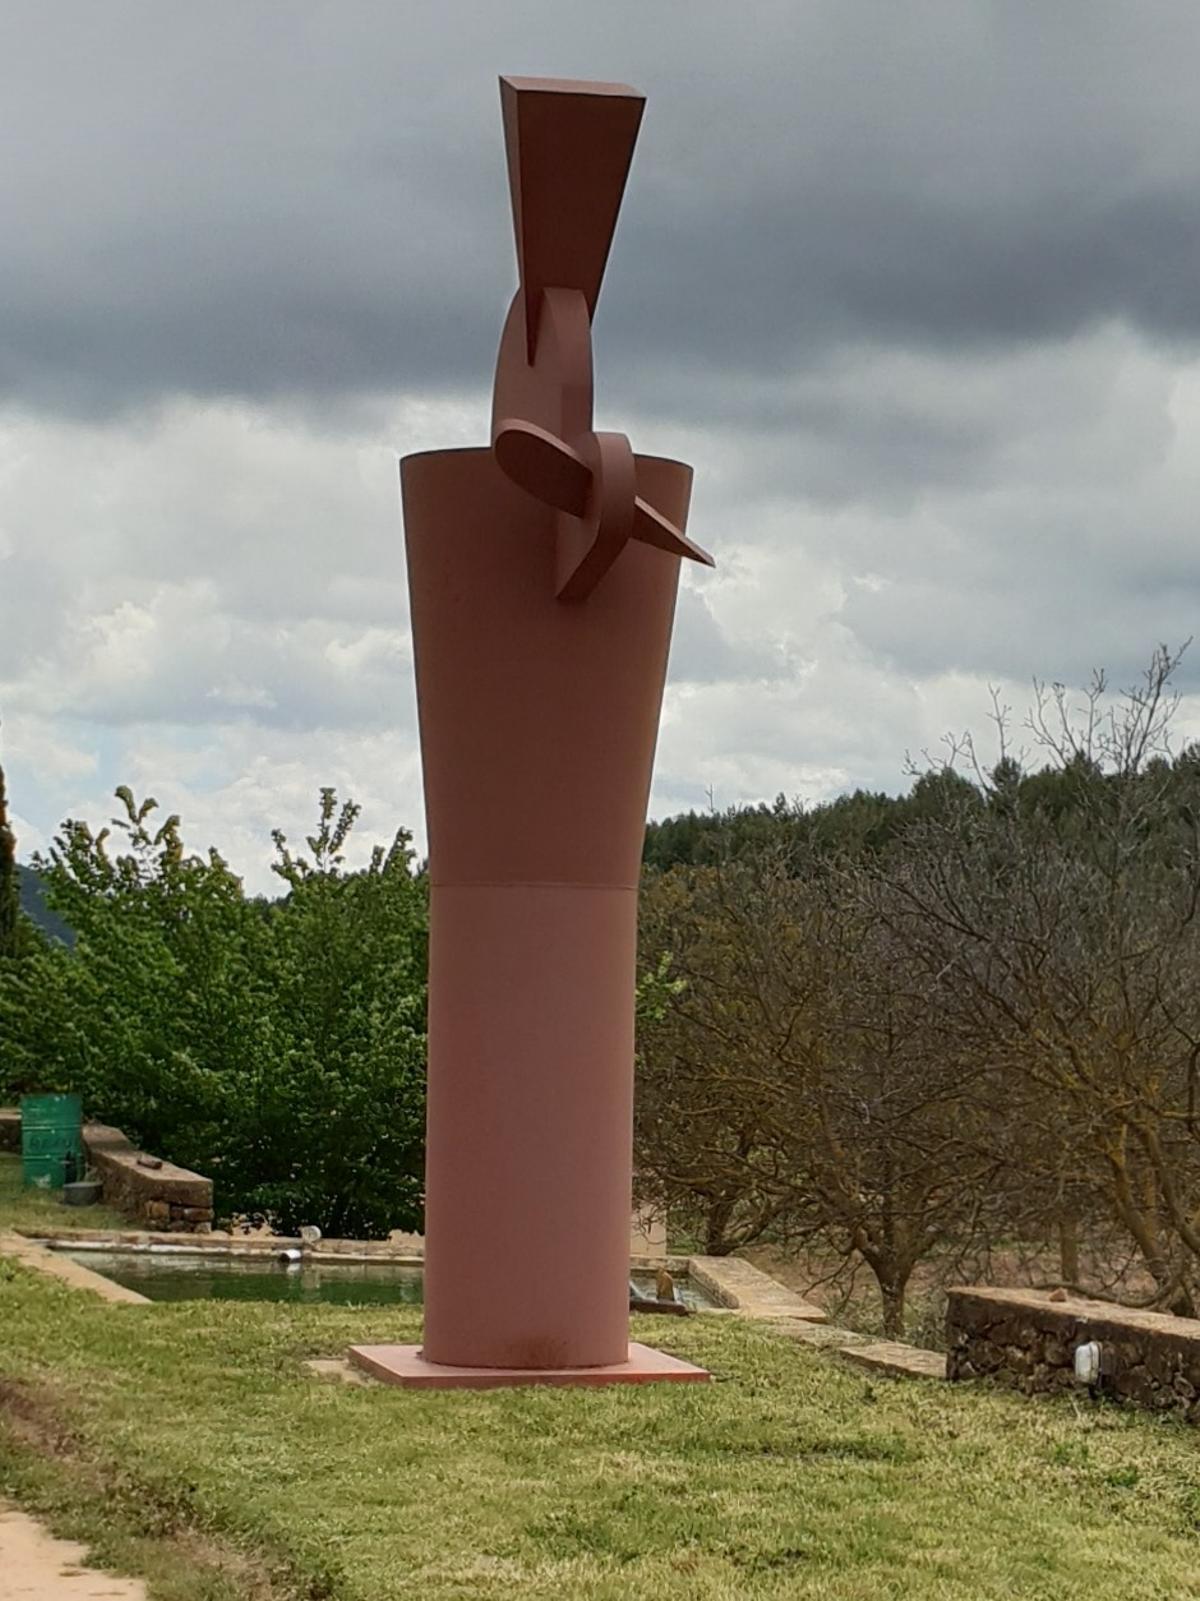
[[34, 1566]]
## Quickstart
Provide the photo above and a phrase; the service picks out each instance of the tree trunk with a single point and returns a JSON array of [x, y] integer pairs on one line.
[[1068, 1248], [892, 1298], [716, 1224], [892, 1280], [1181, 1300]]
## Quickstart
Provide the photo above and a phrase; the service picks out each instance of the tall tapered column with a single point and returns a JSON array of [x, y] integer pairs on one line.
[[538, 726]]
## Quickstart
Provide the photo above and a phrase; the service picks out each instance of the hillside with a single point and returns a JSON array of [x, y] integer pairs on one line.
[[33, 904]]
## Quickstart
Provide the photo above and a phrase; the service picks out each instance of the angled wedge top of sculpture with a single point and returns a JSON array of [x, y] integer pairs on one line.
[[569, 150], [542, 575]]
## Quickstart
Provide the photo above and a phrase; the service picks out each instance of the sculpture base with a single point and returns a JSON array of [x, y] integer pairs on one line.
[[404, 1365]]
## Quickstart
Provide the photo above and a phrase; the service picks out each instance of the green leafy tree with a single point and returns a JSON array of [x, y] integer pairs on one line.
[[278, 1046], [151, 1015], [332, 1130]]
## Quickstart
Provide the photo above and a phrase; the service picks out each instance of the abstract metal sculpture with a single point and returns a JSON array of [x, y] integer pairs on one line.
[[542, 574], [569, 150]]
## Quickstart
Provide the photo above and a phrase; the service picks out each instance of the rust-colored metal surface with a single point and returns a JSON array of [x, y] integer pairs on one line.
[[542, 572], [407, 1367], [569, 149]]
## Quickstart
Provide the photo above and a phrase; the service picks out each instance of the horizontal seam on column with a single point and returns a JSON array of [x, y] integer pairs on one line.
[[526, 883]]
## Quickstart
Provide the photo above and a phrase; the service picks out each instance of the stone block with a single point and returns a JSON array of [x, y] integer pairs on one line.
[[738, 1284], [897, 1360]]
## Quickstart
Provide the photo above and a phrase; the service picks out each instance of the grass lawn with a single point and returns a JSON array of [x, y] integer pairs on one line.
[[187, 1441], [22, 1208]]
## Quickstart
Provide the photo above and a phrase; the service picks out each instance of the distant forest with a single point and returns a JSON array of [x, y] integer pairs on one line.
[[868, 822]]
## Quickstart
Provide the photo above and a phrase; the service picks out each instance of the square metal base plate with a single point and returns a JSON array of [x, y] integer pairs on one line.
[[404, 1365]]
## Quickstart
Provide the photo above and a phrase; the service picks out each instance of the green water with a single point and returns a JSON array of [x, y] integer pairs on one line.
[[183, 1276], [686, 1290], [203, 1278]]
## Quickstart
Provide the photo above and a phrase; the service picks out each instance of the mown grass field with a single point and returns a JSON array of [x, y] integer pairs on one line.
[[188, 1441]]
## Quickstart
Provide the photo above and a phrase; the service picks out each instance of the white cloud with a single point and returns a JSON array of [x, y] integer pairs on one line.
[[211, 604]]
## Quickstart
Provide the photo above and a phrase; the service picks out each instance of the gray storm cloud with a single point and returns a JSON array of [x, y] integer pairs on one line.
[[914, 287], [257, 200]]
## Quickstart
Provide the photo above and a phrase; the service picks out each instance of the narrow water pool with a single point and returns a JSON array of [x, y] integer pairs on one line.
[[201, 1276], [196, 1277]]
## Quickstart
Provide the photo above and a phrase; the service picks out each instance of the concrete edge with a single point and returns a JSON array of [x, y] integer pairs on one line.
[[407, 1250], [41, 1260], [820, 1336], [206, 1245], [328, 1253], [896, 1359], [735, 1283]]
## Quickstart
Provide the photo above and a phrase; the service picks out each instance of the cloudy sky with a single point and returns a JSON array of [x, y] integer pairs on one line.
[[916, 287]]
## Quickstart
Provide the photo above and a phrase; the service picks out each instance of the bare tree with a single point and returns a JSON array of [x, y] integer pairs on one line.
[[797, 1085], [1062, 948], [714, 1098]]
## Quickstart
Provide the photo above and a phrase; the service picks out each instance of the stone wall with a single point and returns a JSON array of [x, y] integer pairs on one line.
[[1024, 1339], [158, 1193]]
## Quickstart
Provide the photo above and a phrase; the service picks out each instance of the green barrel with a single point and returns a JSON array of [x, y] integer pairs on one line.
[[51, 1139]]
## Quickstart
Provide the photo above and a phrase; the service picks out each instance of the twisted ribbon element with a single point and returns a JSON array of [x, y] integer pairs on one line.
[[569, 148]]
